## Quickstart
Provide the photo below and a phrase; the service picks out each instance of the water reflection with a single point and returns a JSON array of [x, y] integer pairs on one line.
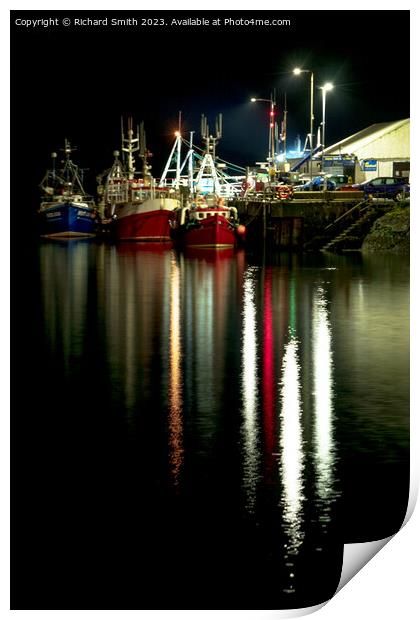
[[249, 388], [323, 406], [176, 449], [291, 447], [64, 287], [133, 284], [199, 288], [225, 375], [209, 319], [268, 375]]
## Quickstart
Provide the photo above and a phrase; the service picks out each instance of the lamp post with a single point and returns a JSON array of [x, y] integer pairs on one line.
[[298, 71], [271, 134], [327, 87]]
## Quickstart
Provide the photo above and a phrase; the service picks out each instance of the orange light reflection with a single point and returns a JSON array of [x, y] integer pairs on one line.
[[176, 449]]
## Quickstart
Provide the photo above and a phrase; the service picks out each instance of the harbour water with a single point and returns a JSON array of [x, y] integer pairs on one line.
[[209, 425]]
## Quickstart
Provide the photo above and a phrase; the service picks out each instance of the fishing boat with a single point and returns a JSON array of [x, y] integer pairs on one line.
[[132, 201], [66, 210], [207, 223]]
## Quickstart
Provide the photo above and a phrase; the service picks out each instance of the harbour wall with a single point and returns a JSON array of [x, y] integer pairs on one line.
[[297, 223]]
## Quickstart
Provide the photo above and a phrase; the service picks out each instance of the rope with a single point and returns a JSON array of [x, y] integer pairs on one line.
[[197, 148]]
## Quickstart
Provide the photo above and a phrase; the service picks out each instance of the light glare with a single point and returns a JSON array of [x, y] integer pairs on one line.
[[250, 389], [324, 412], [291, 446]]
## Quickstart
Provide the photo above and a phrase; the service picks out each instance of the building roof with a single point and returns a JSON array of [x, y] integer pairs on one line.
[[364, 137]]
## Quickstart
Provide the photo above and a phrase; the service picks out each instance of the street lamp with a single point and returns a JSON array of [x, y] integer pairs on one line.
[[271, 134], [298, 71], [327, 87]]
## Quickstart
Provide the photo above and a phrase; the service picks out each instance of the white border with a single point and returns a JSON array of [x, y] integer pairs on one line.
[[387, 586]]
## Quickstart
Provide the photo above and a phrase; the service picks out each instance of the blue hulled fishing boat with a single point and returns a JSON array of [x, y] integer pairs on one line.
[[66, 210]]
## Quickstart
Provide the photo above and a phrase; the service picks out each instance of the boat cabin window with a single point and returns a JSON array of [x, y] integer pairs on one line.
[[202, 215]]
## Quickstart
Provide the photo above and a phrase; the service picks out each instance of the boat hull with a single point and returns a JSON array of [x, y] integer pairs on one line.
[[148, 222], [68, 220], [214, 232]]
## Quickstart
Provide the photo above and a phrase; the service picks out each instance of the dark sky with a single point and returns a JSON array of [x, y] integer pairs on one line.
[[76, 82]]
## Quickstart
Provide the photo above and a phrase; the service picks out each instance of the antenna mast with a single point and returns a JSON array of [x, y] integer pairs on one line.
[[284, 128], [130, 145]]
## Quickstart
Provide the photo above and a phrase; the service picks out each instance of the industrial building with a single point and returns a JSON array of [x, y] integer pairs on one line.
[[380, 150]]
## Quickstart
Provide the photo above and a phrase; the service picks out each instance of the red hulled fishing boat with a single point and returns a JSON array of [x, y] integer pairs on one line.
[[131, 200], [207, 223]]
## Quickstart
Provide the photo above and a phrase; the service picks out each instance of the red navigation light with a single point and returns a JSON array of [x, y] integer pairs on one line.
[[271, 113]]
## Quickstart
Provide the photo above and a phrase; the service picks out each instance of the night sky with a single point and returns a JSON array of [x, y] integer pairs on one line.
[[76, 82]]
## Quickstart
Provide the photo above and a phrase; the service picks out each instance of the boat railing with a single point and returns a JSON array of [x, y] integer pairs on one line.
[[66, 196], [228, 190], [172, 183], [116, 193], [80, 197], [166, 192]]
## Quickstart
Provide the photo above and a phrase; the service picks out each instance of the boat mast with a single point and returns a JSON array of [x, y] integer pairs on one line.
[[68, 168], [144, 154], [130, 145], [191, 164], [284, 128], [53, 157], [189, 159], [48, 183], [208, 168], [176, 147], [71, 172], [178, 152]]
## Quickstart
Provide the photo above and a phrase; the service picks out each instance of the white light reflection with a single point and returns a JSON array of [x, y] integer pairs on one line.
[[291, 447], [323, 394], [249, 389], [176, 449]]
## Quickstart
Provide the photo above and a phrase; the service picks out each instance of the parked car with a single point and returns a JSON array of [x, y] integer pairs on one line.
[[317, 184], [384, 187], [339, 180]]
